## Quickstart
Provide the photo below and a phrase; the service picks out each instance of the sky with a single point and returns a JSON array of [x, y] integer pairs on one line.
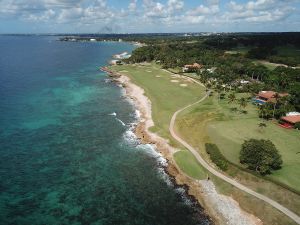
[[148, 16]]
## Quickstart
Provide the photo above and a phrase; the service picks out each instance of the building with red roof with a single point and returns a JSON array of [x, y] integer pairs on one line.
[[267, 96], [289, 121], [191, 68]]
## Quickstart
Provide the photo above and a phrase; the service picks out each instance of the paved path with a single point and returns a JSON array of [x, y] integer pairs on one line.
[[231, 181]]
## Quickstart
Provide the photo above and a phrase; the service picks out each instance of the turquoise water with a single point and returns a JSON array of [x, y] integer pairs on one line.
[[63, 158]]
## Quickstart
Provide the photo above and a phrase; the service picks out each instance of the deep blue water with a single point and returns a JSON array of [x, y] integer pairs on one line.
[[63, 158]]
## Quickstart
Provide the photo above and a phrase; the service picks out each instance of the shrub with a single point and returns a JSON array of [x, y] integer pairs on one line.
[[216, 156], [260, 155], [297, 126]]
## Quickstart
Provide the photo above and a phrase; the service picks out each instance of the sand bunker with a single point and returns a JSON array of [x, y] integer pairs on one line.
[[123, 71], [174, 81], [157, 76], [183, 85], [149, 71]]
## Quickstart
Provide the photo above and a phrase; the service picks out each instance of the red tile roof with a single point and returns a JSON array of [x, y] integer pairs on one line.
[[269, 95], [291, 119], [195, 65]]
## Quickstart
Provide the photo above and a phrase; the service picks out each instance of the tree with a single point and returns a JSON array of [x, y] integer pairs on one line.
[[231, 98], [219, 90], [260, 155], [262, 126], [297, 126], [243, 102], [262, 111]]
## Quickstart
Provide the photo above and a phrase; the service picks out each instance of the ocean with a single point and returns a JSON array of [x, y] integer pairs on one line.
[[68, 154]]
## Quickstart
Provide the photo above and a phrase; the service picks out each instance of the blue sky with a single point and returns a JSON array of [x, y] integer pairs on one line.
[[138, 16]]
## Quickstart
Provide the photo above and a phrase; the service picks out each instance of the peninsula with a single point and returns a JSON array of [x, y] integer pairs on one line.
[[198, 118]]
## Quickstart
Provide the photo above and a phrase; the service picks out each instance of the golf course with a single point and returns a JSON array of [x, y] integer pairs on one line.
[[213, 121]]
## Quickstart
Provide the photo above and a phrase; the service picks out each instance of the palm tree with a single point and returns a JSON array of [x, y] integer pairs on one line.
[[243, 102], [219, 90], [208, 86], [262, 126], [231, 98], [262, 111]]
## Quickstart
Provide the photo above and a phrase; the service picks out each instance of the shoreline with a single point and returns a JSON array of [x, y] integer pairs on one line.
[[203, 192]]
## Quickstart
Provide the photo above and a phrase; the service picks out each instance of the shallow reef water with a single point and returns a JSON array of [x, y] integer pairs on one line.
[[64, 159]]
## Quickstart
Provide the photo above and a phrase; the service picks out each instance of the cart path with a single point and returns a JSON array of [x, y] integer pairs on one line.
[[231, 181]]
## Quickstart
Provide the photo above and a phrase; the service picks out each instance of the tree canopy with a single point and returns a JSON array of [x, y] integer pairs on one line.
[[260, 155]]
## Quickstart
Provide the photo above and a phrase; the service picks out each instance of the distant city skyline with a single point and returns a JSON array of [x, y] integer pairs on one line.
[[148, 16]]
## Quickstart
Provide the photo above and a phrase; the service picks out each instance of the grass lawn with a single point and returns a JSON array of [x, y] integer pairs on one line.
[[238, 50], [213, 121], [196, 126], [230, 131], [167, 93], [288, 51], [188, 163], [269, 65]]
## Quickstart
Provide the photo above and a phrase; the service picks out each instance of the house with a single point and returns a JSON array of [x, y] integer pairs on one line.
[[267, 96], [191, 68], [290, 120]]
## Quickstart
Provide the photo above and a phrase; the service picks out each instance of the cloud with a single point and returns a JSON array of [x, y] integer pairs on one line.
[[156, 13], [175, 5], [204, 10], [259, 11], [132, 5]]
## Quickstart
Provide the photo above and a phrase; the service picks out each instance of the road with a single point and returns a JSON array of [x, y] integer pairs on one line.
[[229, 180]]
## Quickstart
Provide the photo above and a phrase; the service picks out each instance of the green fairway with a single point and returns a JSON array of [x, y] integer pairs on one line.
[[208, 122], [288, 51], [167, 93], [213, 121], [230, 135], [188, 163]]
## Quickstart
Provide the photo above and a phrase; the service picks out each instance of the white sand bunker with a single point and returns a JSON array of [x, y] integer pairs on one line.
[[149, 71], [175, 76], [175, 81], [157, 76], [183, 85], [123, 71]]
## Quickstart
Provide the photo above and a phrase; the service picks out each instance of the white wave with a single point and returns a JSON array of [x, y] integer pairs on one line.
[[121, 122], [151, 151], [165, 177], [130, 137], [113, 114], [182, 192], [137, 114]]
